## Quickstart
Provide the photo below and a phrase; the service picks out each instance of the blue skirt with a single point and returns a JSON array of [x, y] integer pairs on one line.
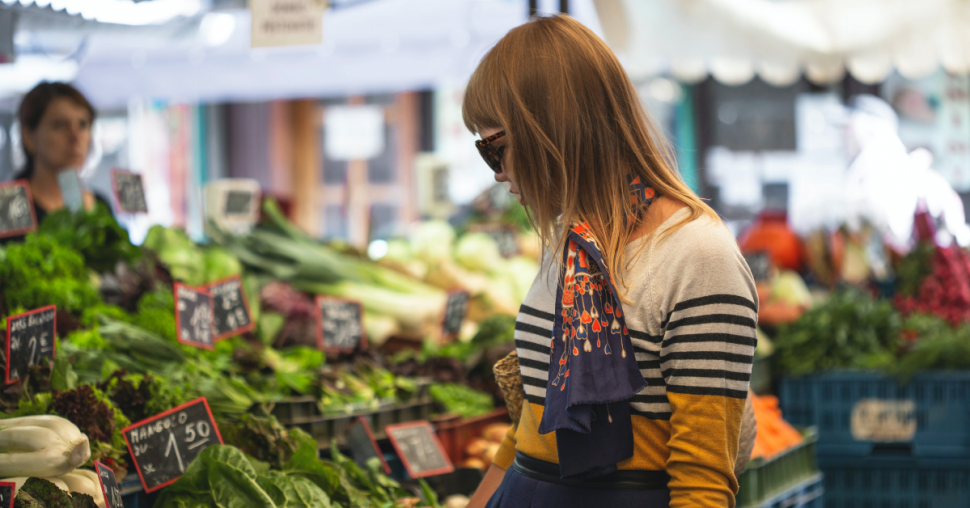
[[520, 491]]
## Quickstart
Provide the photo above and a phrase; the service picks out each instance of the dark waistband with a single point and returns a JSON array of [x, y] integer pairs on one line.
[[617, 480]]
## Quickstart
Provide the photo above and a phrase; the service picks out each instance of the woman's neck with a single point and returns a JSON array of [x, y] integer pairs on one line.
[[658, 213], [45, 189]]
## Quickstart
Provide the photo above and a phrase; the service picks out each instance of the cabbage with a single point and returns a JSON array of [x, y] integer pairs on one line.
[[479, 252], [431, 241], [521, 271]]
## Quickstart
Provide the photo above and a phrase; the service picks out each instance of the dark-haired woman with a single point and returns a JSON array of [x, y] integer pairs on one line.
[[55, 126]]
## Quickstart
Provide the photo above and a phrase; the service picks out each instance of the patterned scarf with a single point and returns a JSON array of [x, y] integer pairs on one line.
[[593, 370]]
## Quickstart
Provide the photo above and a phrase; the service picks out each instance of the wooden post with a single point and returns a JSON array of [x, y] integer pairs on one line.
[[305, 117]]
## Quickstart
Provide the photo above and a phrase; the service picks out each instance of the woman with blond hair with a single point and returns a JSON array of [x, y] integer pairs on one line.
[[636, 340]]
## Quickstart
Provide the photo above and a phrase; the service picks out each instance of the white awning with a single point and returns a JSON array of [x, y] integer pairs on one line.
[[734, 40]]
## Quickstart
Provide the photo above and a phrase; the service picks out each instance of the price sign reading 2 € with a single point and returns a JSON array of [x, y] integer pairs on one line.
[[194, 317], [8, 490], [30, 340], [164, 445]]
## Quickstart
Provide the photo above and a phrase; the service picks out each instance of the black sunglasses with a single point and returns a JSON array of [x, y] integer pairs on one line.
[[492, 154]]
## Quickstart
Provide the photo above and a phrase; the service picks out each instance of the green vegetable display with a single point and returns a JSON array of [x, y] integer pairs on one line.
[[40, 493], [40, 271], [461, 399], [849, 330], [96, 235]]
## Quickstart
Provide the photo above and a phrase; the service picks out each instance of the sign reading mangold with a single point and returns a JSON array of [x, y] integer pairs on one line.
[[884, 421], [287, 22]]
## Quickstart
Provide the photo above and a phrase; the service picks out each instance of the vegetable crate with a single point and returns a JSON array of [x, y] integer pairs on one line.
[[765, 480], [807, 493], [896, 482], [133, 495], [865, 413], [455, 433], [325, 428]]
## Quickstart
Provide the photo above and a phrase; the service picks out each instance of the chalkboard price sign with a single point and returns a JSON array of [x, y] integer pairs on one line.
[[8, 490], [455, 310], [193, 316], [162, 446], [362, 444], [419, 448], [129, 191], [109, 485], [340, 325], [230, 308], [30, 340], [16, 209], [238, 203], [760, 264]]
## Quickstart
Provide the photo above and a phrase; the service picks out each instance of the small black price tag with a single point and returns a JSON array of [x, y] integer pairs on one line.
[[230, 308], [340, 325], [455, 310], [193, 316], [8, 491], [162, 446], [419, 448], [30, 340], [109, 485], [238, 203], [129, 191], [760, 264], [16, 209], [362, 444]]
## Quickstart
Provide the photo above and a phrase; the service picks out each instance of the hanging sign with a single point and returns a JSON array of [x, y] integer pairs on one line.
[[8, 490], [193, 316], [71, 189], [30, 340], [162, 446], [129, 191], [363, 446], [230, 308], [286, 22], [238, 202], [455, 310], [340, 325], [232, 204], [760, 264], [16, 209], [109, 485], [419, 448]]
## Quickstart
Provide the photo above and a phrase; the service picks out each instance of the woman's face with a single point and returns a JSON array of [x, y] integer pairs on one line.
[[62, 138], [505, 175]]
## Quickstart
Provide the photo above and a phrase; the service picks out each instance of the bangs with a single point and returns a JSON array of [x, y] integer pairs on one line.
[[481, 105]]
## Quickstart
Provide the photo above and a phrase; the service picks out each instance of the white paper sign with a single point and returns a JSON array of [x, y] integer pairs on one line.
[[354, 132], [71, 189], [287, 22]]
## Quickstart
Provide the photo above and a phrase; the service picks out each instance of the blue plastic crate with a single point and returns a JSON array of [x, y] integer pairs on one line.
[[807, 494], [133, 495], [895, 482], [941, 409]]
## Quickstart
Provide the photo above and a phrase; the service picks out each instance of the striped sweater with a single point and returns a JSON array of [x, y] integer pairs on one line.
[[692, 324]]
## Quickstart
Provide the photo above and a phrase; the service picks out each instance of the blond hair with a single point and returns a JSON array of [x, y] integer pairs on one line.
[[576, 130]]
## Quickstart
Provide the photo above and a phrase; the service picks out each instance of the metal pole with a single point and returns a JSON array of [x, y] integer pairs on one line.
[[564, 6], [533, 7]]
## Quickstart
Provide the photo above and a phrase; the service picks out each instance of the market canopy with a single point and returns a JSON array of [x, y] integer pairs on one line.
[[734, 40]]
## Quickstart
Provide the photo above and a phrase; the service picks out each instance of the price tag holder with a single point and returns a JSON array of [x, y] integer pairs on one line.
[[109, 485], [129, 191], [230, 308], [456, 308], [193, 316], [760, 264], [162, 446], [362, 444], [340, 325], [232, 204], [30, 340], [419, 448], [8, 491], [16, 209], [71, 189]]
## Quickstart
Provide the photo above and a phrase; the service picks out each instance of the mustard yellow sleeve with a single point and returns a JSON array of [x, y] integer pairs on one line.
[[506, 452], [703, 448]]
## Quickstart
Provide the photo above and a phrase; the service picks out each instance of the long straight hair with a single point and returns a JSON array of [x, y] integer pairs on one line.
[[576, 130]]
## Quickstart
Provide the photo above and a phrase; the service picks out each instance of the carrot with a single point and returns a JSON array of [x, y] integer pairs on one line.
[[775, 435]]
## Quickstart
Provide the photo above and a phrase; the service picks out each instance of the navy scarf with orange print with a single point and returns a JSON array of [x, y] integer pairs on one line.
[[593, 370]]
